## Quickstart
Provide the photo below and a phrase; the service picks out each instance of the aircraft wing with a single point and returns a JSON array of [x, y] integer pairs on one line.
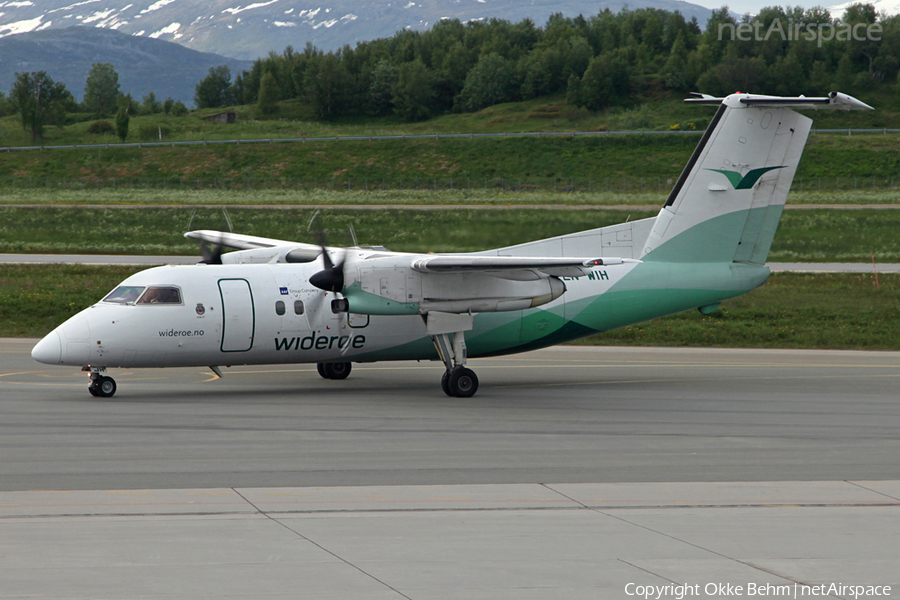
[[243, 242], [562, 267]]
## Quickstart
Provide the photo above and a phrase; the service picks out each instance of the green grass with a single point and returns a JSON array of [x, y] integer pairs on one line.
[[492, 196], [36, 298], [442, 196], [605, 160], [159, 230], [804, 235], [791, 311]]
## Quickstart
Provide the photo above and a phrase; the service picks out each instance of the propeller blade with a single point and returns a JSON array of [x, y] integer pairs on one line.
[[211, 255], [331, 278]]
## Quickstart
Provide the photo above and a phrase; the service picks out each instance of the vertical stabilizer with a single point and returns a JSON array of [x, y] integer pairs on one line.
[[726, 204]]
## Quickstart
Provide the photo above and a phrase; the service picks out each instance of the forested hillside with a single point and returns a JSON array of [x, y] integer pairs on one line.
[[599, 61], [626, 70]]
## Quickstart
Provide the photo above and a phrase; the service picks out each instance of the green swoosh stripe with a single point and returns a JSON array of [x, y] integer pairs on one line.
[[747, 181]]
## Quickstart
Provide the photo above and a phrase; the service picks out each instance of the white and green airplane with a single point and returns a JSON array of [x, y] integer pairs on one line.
[[275, 301]]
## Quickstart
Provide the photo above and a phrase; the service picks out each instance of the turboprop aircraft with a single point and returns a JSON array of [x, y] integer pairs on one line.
[[276, 301]]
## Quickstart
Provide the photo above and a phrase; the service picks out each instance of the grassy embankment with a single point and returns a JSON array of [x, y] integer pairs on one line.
[[807, 235], [790, 311], [597, 163], [635, 163]]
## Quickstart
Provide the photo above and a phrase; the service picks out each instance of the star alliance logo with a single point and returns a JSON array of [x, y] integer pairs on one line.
[[747, 181]]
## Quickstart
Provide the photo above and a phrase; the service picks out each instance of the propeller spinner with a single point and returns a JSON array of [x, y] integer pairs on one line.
[[331, 278]]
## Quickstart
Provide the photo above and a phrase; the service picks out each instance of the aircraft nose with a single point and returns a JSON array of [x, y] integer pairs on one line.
[[48, 350]]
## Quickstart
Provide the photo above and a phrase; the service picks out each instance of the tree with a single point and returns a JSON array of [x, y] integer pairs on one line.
[[413, 92], [128, 104], [573, 91], [606, 82], [491, 81], [122, 120], [212, 90], [675, 70], [328, 85], [150, 105], [40, 101], [268, 95], [381, 91], [859, 15], [101, 88], [167, 105]]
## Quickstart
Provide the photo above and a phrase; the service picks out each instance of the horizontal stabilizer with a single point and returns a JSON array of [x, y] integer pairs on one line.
[[834, 100]]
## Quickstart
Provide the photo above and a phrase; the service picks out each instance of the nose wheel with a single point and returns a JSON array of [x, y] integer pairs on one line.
[[101, 385]]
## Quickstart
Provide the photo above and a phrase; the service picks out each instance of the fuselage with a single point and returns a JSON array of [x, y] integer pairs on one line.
[[269, 314]]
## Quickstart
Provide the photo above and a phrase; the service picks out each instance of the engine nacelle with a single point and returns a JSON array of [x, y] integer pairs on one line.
[[401, 290]]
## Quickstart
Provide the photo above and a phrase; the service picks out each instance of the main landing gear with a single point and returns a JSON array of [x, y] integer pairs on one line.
[[334, 370], [457, 381], [101, 385]]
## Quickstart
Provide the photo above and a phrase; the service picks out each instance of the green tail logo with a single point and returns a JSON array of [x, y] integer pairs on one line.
[[747, 181]]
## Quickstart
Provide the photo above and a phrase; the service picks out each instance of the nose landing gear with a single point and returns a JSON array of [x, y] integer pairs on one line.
[[101, 385]]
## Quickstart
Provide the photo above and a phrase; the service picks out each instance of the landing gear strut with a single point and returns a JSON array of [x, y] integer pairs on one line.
[[457, 381], [334, 370], [101, 385]]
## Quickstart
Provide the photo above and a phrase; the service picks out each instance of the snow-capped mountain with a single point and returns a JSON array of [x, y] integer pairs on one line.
[[144, 65], [248, 29]]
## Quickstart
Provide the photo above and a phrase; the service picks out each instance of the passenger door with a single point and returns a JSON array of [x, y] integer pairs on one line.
[[238, 315]]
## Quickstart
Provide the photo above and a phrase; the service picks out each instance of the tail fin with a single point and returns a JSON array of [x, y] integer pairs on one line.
[[726, 204]]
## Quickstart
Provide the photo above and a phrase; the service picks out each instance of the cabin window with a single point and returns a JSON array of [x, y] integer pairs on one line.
[[161, 295], [124, 294], [279, 307], [298, 307]]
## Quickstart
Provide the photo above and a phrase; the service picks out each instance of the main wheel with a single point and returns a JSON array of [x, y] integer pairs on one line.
[[92, 390], [106, 387], [334, 370], [445, 384], [338, 370], [463, 383]]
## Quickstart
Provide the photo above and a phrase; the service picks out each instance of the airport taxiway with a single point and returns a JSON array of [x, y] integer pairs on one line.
[[573, 472], [570, 414]]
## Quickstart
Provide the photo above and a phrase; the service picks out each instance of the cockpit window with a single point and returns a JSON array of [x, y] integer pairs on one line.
[[161, 295], [124, 294]]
